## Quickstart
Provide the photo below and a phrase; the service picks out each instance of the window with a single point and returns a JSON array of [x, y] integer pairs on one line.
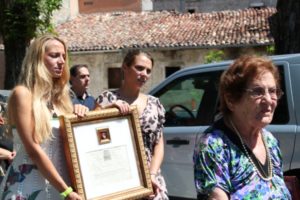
[[171, 70], [281, 115], [191, 100], [88, 3], [114, 78], [191, 11]]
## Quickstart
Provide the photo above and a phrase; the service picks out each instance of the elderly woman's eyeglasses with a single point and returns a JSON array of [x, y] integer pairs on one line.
[[259, 92]]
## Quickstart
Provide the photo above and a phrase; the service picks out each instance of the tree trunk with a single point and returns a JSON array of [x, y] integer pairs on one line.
[[14, 54], [285, 27], [14, 30]]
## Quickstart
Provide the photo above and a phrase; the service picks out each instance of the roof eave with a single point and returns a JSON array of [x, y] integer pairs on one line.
[[82, 51]]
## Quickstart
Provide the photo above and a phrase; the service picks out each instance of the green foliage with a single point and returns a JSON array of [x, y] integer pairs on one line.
[[24, 19], [214, 56], [20, 21], [270, 49]]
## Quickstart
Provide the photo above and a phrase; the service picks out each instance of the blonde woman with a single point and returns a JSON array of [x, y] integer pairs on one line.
[[39, 169]]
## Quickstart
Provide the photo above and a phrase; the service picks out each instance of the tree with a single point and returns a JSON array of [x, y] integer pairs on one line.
[[214, 56], [20, 21], [285, 27]]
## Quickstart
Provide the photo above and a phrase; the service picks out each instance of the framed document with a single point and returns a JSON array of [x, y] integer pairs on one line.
[[105, 155]]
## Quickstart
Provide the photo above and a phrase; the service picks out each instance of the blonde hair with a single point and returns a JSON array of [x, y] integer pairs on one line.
[[44, 89]]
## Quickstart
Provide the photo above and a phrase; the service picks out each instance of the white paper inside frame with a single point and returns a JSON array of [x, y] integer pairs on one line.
[[109, 167]]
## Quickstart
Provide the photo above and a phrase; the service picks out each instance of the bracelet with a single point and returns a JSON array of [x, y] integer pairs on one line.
[[65, 193]]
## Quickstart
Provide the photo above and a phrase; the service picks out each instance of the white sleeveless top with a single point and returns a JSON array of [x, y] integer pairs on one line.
[[23, 179]]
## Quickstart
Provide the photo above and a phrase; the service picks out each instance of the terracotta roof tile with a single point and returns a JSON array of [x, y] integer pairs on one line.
[[112, 31]]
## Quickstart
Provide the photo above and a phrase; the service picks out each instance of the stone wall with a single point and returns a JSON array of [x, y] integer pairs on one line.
[[208, 5], [68, 11], [99, 62]]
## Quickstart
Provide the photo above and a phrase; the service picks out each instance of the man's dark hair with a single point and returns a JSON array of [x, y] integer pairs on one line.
[[74, 69]]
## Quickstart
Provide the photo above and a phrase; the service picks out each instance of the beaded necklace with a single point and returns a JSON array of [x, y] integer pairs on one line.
[[260, 171]]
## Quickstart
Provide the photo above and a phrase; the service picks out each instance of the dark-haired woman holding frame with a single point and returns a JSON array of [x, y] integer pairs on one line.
[[137, 67]]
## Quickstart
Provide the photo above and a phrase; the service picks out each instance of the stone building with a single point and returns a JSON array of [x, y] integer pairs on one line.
[[90, 6], [209, 5], [175, 40]]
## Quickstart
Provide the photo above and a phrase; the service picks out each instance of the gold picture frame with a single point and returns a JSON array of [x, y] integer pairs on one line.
[[110, 167]]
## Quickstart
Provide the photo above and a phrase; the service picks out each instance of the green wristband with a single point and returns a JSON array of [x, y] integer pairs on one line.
[[65, 193]]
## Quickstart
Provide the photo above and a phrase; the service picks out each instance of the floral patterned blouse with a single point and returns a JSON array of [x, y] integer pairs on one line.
[[219, 162]]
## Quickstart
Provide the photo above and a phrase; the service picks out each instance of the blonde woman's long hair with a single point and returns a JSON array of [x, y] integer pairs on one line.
[[44, 89]]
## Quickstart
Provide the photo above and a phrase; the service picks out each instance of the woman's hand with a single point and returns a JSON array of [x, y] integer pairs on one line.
[[11, 156], [7, 155], [80, 110], [155, 185], [73, 196], [123, 106]]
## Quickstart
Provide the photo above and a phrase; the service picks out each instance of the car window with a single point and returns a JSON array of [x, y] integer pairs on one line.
[[190, 100], [193, 100], [281, 115]]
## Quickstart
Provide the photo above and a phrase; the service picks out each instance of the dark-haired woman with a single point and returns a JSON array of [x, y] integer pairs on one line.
[[137, 67]]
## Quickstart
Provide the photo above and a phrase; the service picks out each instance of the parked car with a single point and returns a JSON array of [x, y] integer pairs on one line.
[[190, 97]]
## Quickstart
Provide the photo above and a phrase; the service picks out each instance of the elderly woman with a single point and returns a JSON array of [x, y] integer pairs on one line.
[[237, 158]]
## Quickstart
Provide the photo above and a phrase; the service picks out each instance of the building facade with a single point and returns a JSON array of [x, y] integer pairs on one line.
[[105, 67], [181, 42], [209, 5], [175, 40], [91, 6]]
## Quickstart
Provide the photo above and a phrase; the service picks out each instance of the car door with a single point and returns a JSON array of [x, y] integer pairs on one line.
[[190, 102]]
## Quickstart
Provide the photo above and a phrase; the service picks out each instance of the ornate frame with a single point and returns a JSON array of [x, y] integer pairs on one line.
[[109, 168]]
